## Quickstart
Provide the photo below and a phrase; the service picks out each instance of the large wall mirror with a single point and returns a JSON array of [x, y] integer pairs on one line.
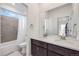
[[59, 21]]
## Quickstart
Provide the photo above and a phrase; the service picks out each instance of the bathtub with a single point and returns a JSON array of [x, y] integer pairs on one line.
[[8, 48]]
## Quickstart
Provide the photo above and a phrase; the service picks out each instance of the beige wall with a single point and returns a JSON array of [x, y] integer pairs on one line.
[[33, 18], [49, 6]]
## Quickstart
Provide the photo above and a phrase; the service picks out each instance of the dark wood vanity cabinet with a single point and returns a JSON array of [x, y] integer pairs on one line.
[[38, 51], [39, 48], [62, 50], [52, 53]]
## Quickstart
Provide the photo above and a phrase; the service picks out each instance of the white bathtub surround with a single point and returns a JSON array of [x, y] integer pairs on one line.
[[68, 43], [8, 48], [16, 53]]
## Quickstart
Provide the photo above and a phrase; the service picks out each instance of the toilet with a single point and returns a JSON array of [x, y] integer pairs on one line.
[[22, 48]]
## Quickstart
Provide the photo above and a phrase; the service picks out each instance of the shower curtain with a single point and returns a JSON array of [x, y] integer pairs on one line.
[[8, 28]]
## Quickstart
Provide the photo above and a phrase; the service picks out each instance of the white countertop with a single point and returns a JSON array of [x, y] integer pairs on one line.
[[68, 43]]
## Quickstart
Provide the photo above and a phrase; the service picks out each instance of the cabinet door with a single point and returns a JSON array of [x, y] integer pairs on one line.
[[38, 51], [59, 49], [34, 50], [51, 53], [42, 51]]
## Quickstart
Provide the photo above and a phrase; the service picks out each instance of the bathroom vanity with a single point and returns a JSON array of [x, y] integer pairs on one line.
[[48, 47], [63, 30]]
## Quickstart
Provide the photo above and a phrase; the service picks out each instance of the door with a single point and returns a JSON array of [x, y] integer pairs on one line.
[[9, 28]]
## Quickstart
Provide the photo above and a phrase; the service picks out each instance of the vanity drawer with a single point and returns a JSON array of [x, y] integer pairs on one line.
[[39, 43], [59, 50]]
